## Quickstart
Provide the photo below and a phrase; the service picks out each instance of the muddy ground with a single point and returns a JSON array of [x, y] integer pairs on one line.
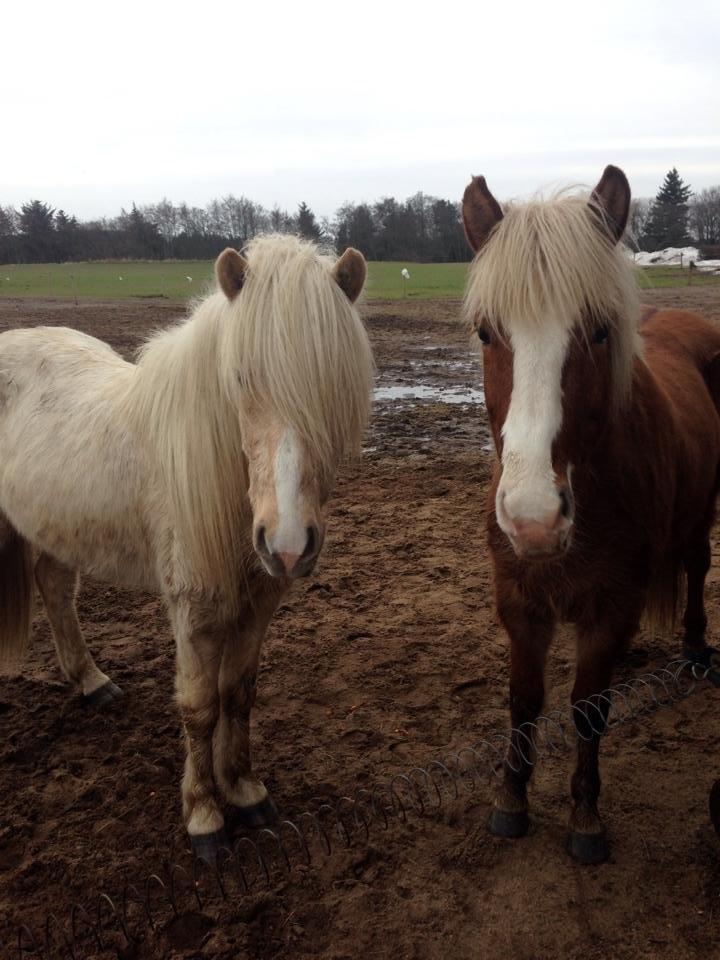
[[388, 656]]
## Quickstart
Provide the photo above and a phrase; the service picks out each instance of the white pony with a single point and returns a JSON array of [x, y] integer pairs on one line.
[[200, 472]]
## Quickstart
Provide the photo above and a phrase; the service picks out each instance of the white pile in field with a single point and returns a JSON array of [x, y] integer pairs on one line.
[[674, 256]]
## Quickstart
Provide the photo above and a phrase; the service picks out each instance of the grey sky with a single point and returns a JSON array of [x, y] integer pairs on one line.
[[330, 102]]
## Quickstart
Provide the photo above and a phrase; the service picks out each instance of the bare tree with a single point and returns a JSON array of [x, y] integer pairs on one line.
[[639, 218], [705, 216], [165, 217], [9, 230]]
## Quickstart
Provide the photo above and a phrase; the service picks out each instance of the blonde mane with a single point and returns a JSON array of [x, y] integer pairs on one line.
[[295, 344], [547, 262]]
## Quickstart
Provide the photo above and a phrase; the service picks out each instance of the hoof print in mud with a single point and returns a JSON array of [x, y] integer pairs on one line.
[[106, 694]]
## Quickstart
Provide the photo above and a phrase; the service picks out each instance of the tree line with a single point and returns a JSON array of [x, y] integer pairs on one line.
[[677, 218], [421, 228]]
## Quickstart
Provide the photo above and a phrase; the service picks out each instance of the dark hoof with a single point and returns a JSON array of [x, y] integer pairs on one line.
[[104, 695], [706, 657], [262, 814], [714, 803], [509, 823], [702, 655], [588, 847], [206, 846]]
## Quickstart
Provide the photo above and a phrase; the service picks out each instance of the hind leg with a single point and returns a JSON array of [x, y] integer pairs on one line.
[[696, 561], [58, 585]]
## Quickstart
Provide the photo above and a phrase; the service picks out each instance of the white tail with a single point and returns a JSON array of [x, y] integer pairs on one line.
[[16, 594]]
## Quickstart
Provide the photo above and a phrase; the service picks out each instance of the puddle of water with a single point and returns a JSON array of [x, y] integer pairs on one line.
[[424, 392], [452, 364]]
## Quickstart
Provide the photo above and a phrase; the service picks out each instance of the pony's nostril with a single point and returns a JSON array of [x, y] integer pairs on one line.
[[261, 541], [565, 504], [311, 545]]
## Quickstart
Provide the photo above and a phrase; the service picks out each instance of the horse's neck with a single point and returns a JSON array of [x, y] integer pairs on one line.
[[193, 437], [179, 397]]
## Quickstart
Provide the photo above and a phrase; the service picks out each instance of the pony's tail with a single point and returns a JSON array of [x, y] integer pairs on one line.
[[666, 593], [16, 593]]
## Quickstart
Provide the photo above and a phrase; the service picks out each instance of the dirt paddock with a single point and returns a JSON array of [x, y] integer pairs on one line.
[[388, 656]]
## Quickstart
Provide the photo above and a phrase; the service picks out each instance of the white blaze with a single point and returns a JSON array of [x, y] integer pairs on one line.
[[527, 489], [290, 534]]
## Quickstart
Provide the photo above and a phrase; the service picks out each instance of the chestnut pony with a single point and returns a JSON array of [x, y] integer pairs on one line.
[[607, 440]]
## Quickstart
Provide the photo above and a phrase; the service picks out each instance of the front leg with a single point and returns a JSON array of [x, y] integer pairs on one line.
[[598, 646], [530, 631], [199, 650], [237, 687]]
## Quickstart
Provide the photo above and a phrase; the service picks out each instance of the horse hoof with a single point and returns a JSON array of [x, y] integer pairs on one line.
[[509, 823], [102, 696], [706, 657], [588, 848], [701, 655], [262, 814], [207, 846]]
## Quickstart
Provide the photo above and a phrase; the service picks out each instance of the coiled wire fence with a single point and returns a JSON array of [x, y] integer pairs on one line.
[[114, 922]]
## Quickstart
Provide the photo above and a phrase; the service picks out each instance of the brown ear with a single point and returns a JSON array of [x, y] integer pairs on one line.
[[230, 270], [612, 197], [481, 212], [349, 273]]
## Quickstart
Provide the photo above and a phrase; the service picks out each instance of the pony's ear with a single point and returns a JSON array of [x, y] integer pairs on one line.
[[481, 212], [230, 270], [349, 273], [611, 200]]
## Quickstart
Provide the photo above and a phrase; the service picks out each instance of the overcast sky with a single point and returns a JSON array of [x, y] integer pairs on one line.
[[106, 105]]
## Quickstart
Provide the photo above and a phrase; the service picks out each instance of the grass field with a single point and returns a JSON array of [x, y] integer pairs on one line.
[[178, 280]]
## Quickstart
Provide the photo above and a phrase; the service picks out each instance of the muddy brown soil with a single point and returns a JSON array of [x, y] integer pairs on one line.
[[388, 656]]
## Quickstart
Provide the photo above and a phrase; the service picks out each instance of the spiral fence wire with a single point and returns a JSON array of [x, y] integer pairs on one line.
[[115, 922]]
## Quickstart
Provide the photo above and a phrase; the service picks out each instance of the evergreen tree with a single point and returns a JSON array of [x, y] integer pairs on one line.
[[68, 237], [142, 237], [38, 236], [667, 223], [307, 225], [448, 235]]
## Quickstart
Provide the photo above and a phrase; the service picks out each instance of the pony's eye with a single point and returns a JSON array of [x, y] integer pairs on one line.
[[601, 334], [483, 335]]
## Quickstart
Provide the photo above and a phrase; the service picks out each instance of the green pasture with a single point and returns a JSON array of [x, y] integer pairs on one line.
[[428, 281], [178, 280], [108, 280]]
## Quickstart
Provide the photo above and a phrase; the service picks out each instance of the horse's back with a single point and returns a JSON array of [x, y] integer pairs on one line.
[[682, 351], [57, 344], [680, 348], [55, 371], [71, 471]]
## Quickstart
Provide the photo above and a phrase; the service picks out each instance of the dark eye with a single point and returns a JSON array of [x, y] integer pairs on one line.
[[484, 335], [601, 334]]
